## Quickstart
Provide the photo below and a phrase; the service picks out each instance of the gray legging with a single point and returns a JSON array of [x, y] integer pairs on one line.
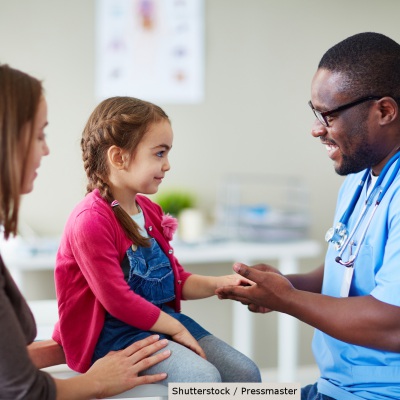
[[223, 364]]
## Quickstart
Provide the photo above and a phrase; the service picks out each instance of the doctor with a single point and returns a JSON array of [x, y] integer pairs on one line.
[[353, 300]]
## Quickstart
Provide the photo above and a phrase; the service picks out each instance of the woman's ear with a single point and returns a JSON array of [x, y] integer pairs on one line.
[[116, 157]]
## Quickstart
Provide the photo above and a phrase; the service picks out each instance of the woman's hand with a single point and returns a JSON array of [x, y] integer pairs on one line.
[[117, 372]]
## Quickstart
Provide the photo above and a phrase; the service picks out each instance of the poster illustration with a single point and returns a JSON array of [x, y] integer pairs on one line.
[[150, 49]]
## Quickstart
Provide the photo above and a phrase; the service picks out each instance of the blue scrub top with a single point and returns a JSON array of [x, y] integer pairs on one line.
[[350, 372]]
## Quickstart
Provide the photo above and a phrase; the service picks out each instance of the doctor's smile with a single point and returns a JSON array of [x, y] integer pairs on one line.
[[331, 148]]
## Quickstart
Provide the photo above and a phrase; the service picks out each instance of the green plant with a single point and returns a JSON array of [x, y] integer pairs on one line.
[[173, 201]]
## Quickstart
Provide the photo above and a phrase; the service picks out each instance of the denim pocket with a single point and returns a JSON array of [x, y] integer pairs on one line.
[[150, 274]]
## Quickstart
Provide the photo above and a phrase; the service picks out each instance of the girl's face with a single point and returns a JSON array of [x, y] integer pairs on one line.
[[38, 147], [149, 163]]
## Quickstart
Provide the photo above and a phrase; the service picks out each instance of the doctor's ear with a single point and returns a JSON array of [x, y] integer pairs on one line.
[[117, 157], [388, 110]]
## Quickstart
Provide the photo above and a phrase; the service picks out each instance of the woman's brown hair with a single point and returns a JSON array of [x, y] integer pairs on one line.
[[20, 94], [121, 122]]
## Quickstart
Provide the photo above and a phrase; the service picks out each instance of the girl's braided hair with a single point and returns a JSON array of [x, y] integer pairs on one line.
[[121, 122]]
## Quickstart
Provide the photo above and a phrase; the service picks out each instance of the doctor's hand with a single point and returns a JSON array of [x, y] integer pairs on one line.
[[232, 280], [265, 295], [264, 268]]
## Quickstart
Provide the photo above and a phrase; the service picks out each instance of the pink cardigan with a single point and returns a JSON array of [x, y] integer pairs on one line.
[[89, 279]]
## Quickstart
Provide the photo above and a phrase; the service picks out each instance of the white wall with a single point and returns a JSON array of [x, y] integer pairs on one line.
[[260, 58]]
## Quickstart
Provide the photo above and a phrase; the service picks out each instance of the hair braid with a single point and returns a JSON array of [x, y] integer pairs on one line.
[[121, 122]]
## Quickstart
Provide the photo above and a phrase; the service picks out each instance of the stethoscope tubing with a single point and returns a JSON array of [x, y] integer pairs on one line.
[[346, 216], [352, 258]]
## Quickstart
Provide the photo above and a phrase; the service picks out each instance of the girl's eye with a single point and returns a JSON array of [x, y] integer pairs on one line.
[[160, 153]]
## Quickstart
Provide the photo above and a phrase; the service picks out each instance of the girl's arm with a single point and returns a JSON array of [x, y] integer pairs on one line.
[[200, 287], [172, 327], [99, 262]]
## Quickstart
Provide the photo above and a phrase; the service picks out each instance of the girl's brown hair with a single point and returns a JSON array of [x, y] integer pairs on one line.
[[20, 94], [121, 122]]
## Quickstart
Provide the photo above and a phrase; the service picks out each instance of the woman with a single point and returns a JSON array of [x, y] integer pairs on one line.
[[23, 118]]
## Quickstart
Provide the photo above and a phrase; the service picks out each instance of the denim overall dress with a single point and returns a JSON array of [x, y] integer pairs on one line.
[[149, 274]]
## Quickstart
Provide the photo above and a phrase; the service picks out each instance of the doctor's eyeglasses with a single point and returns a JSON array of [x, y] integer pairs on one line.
[[321, 115]]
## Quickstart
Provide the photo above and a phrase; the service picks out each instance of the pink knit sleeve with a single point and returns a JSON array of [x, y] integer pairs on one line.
[[96, 249]]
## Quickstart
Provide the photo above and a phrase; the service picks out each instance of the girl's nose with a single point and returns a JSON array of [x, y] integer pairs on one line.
[[166, 166]]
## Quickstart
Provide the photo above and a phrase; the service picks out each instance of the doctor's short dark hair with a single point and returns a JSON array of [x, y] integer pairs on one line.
[[371, 62]]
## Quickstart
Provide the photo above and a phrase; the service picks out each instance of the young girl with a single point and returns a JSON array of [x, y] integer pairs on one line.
[[117, 278]]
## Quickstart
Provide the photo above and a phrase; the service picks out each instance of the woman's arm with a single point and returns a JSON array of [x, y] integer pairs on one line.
[[115, 373], [45, 353], [18, 375]]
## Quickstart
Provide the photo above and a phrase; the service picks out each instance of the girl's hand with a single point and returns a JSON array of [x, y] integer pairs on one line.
[[179, 334], [184, 338], [200, 286], [265, 294], [233, 280]]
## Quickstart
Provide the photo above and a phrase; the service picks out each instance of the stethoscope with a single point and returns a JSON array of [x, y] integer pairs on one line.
[[339, 235]]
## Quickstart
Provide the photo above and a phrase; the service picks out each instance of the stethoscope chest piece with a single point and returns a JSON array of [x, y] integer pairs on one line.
[[337, 235]]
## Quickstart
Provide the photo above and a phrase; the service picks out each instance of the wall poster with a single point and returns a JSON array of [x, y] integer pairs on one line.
[[150, 49]]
